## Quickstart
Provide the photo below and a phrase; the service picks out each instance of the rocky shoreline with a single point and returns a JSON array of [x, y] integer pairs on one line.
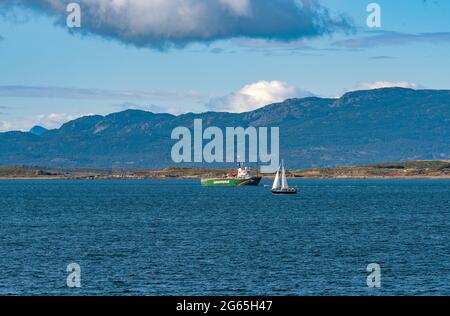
[[399, 170]]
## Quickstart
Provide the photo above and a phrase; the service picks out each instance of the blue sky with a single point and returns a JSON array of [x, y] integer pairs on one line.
[[216, 60]]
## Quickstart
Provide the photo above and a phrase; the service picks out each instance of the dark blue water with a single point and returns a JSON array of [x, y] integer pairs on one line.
[[175, 237]]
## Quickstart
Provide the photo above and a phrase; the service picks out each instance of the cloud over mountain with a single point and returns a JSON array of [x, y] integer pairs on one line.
[[383, 84], [256, 95], [50, 121], [174, 23]]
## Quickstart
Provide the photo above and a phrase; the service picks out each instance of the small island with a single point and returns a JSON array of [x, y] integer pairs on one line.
[[426, 169]]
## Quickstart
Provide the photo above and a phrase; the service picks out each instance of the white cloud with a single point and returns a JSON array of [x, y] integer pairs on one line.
[[5, 126], [256, 95], [49, 121], [383, 84], [163, 24], [53, 120]]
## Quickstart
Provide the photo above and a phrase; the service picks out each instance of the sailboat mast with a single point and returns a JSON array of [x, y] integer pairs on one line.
[[284, 184]]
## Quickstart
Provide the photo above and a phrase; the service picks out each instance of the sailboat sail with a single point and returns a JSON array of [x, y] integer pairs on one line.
[[276, 182], [284, 184]]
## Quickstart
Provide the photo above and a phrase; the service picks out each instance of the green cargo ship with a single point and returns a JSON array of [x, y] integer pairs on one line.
[[242, 177]]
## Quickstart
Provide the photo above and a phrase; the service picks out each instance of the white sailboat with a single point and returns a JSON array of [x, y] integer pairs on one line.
[[284, 188]]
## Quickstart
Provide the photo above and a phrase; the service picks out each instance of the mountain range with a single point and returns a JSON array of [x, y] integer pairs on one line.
[[361, 127]]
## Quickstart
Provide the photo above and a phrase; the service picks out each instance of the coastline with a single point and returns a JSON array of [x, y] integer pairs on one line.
[[435, 169], [166, 179]]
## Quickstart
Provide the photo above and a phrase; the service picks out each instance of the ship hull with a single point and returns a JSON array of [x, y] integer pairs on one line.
[[230, 182]]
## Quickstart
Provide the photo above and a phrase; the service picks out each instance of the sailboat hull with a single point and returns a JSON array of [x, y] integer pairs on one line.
[[285, 191]]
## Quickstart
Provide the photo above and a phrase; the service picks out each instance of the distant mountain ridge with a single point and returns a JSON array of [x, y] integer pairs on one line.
[[362, 127], [38, 130]]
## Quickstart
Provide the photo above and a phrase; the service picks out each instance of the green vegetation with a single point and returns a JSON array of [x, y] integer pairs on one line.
[[24, 172]]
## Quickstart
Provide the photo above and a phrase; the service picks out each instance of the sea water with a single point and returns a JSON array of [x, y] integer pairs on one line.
[[178, 238]]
